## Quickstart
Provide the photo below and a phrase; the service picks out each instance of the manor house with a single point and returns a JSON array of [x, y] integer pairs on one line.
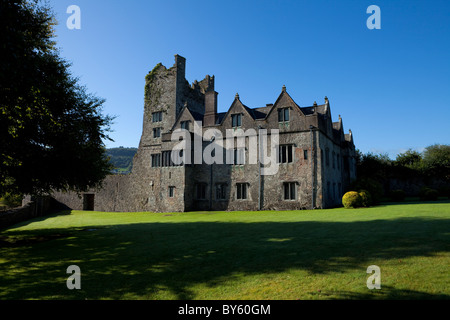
[[315, 159]]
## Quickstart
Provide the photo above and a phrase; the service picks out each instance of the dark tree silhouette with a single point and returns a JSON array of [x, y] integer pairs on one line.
[[52, 131]]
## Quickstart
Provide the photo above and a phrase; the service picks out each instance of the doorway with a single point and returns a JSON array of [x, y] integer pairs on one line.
[[88, 201]]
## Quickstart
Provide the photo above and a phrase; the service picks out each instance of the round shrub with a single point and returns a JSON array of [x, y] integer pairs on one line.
[[444, 191], [429, 194], [422, 192], [366, 198], [398, 195], [351, 199]]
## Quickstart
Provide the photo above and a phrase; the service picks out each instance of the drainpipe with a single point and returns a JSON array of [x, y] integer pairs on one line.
[[312, 167], [259, 168], [211, 179], [211, 187]]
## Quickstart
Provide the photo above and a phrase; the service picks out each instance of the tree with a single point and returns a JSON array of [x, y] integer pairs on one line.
[[436, 160], [374, 166], [409, 158], [51, 129]]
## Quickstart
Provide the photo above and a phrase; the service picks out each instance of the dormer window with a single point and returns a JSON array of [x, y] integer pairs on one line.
[[283, 114], [236, 120], [184, 125]]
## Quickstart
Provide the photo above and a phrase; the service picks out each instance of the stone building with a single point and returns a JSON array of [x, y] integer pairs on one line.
[[315, 158]]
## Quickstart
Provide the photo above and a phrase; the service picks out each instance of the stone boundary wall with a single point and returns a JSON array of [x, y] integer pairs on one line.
[[412, 185], [29, 210]]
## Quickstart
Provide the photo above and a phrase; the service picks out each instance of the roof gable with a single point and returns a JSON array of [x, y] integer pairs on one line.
[[237, 103], [285, 100], [194, 116]]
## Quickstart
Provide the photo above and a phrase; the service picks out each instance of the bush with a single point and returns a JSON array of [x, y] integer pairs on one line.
[[444, 191], [12, 200], [428, 194], [397, 195], [366, 198], [351, 199]]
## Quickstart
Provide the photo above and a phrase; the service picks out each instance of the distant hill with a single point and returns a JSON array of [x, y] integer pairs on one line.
[[121, 158]]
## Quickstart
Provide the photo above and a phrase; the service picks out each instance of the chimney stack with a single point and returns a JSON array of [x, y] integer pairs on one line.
[[210, 108]]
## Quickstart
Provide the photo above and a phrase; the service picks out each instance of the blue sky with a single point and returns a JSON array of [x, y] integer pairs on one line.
[[391, 85]]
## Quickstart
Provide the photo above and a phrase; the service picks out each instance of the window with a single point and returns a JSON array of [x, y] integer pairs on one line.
[[334, 160], [184, 125], [241, 191], [156, 132], [236, 120], [334, 191], [171, 191], [221, 191], [328, 189], [338, 162], [283, 114], [285, 153], [289, 190], [156, 160], [305, 154], [178, 158], [346, 164], [239, 156], [157, 116], [200, 191], [327, 157], [167, 159]]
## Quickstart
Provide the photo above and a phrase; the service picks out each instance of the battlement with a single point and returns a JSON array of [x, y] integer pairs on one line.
[[205, 85]]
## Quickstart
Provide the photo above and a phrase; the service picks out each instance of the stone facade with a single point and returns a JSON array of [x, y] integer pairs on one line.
[[316, 164]]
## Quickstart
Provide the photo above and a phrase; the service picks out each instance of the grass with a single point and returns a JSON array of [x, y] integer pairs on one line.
[[320, 254]]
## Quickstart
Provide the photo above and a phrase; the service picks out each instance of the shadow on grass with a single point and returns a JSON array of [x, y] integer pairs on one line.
[[139, 260], [385, 293], [50, 214]]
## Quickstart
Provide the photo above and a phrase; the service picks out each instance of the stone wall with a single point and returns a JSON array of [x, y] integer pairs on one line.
[[29, 210]]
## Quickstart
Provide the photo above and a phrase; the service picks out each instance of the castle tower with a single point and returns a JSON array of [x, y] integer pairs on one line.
[[164, 99]]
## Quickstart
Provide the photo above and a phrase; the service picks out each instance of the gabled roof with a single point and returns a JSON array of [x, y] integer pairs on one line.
[[220, 117], [195, 115], [349, 136], [237, 100], [284, 94], [338, 125], [256, 114]]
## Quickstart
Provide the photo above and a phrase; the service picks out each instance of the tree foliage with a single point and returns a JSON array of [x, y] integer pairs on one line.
[[409, 158], [436, 160], [121, 158], [374, 171], [51, 129]]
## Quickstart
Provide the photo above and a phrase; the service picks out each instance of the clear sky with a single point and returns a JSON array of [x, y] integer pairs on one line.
[[390, 85]]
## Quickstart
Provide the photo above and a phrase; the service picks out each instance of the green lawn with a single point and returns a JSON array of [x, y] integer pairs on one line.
[[321, 254]]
